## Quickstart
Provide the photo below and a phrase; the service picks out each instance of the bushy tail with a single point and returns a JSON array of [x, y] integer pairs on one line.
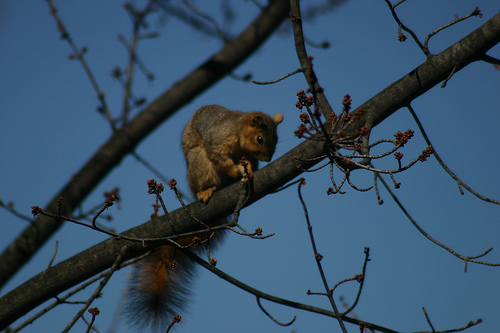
[[159, 288], [160, 284]]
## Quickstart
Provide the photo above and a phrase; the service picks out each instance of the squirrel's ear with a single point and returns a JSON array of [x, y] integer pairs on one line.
[[256, 121], [278, 118]]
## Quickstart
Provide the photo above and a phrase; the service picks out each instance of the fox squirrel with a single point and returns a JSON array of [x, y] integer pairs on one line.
[[214, 141]]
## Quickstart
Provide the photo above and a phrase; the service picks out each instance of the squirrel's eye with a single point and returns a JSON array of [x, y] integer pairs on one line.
[[260, 140]]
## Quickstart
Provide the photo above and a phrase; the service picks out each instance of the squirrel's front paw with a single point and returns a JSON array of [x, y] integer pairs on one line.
[[205, 195], [246, 169], [246, 173]]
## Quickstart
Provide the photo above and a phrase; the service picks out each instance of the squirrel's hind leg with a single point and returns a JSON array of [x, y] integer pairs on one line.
[[206, 195], [202, 175]]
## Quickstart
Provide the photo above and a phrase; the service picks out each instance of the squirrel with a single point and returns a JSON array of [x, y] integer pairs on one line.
[[214, 141]]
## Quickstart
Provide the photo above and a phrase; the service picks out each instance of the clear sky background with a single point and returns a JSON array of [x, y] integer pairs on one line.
[[49, 128]]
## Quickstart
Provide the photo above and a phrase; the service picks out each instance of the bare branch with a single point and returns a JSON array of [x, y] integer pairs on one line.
[[266, 180], [63, 299], [208, 18], [10, 208], [428, 319], [466, 259], [175, 320], [116, 266], [274, 319], [491, 60], [475, 12], [444, 166], [122, 142], [138, 18], [278, 300], [361, 283], [280, 79], [79, 55], [405, 28], [318, 258], [304, 59], [54, 254]]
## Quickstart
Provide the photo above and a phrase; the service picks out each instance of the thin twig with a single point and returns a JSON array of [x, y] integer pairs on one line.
[[274, 319], [286, 186], [95, 312], [323, 45], [225, 38], [475, 12], [428, 320], [361, 282], [155, 240], [245, 194], [149, 75], [138, 18], [54, 254], [109, 203], [109, 273], [405, 28], [466, 259], [305, 61], [10, 208], [443, 165], [275, 299], [398, 3], [377, 192], [173, 185], [460, 329], [155, 171], [176, 319], [78, 54], [318, 257], [280, 79], [354, 315], [157, 189], [490, 60], [448, 78], [62, 300]]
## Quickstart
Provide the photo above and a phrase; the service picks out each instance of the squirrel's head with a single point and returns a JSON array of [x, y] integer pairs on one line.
[[259, 134]]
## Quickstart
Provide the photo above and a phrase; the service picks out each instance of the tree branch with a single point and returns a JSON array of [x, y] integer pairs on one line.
[[123, 141], [101, 256]]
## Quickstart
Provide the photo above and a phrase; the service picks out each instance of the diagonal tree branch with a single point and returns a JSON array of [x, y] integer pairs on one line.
[[101, 256], [123, 141]]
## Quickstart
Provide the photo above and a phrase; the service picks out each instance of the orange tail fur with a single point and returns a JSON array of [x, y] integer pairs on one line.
[[160, 284], [159, 288]]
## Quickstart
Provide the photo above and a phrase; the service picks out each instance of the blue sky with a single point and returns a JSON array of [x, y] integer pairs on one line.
[[49, 128]]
